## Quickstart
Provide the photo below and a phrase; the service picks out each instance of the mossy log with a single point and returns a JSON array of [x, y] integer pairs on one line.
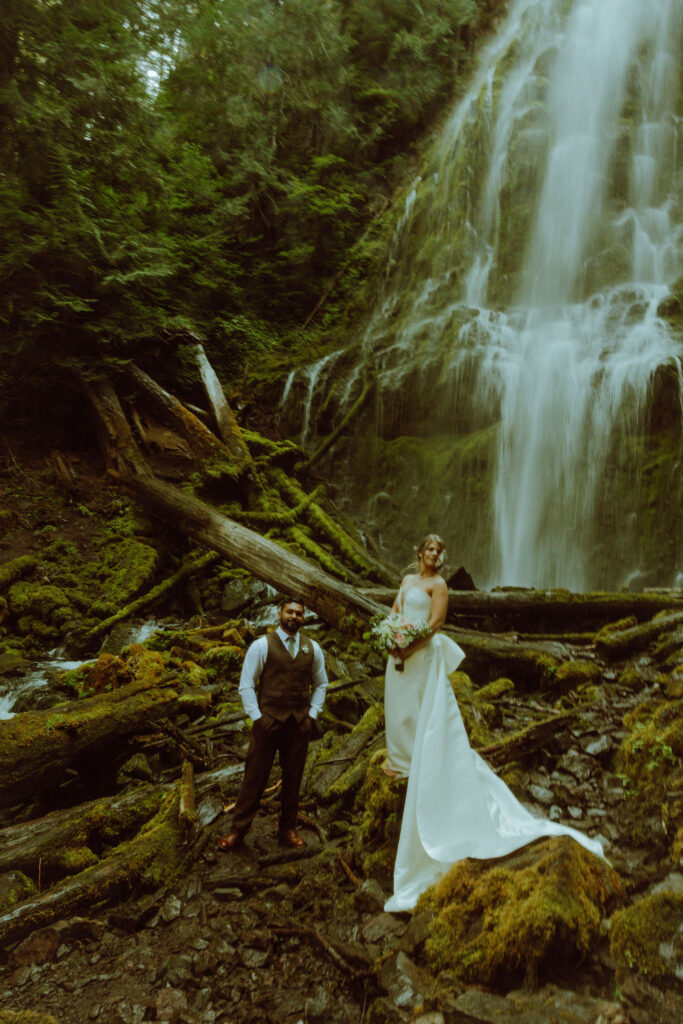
[[526, 741], [227, 424], [490, 656], [149, 859], [620, 642], [553, 606], [191, 568], [35, 746], [336, 602], [65, 842], [348, 548], [210, 453]]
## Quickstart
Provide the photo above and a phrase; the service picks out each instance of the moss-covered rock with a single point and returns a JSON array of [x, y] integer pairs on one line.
[[14, 887], [16, 569], [475, 712], [123, 568], [646, 936], [38, 603], [380, 803], [650, 759], [522, 918], [572, 675]]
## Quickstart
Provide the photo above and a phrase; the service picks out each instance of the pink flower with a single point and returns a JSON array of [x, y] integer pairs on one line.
[[400, 639]]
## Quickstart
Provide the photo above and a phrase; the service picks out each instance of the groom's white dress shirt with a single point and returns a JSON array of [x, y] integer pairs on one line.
[[255, 659]]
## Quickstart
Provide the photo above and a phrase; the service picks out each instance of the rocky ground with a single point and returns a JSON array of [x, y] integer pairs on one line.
[[268, 934]]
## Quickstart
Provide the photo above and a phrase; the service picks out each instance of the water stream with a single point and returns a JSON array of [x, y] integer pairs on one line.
[[517, 334]]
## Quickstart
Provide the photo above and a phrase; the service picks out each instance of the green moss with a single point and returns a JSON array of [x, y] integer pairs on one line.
[[39, 603], [641, 934], [494, 690], [474, 711], [14, 887], [123, 568], [380, 803], [222, 661], [520, 918], [571, 675], [14, 570]]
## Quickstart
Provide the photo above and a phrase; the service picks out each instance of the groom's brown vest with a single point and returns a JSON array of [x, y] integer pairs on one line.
[[285, 685]]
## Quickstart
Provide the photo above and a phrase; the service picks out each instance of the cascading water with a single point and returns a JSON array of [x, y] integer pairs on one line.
[[519, 339]]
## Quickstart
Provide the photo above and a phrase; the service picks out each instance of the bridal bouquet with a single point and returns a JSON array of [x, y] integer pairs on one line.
[[391, 632]]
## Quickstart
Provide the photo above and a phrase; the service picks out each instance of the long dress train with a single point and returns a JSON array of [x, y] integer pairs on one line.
[[456, 806]]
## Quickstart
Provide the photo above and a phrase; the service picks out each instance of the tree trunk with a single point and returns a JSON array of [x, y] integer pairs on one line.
[[336, 602], [228, 428], [552, 606], [116, 438], [35, 746], [526, 741]]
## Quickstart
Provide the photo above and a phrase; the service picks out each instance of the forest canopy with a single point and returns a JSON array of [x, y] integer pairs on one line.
[[207, 168]]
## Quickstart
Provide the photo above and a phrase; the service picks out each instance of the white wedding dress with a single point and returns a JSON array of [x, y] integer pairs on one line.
[[456, 806]]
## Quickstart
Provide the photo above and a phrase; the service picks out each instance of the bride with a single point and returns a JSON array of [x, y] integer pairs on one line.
[[456, 806]]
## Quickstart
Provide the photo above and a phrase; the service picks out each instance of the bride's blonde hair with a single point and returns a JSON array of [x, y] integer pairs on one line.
[[426, 541]]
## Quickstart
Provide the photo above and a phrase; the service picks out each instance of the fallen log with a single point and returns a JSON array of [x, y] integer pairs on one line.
[[214, 457], [337, 603], [67, 841], [525, 741], [36, 746], [620, 642], [116, 438], [350, 549], [552, 606], [149, 859]]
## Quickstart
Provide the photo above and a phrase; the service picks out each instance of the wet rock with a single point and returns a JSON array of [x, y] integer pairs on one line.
[[417, 932], [578, 765], [170, 1004], [370, 897], [136, 767], [133, 916], [241, 592], [541, 793], [601, 745], [321, 1005], [42, 945], [254, 958], [548, 1006], [405, 983], [383, 928], [170, 909], [208, 809], [227, 894]]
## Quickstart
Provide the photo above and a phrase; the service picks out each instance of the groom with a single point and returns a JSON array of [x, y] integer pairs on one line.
[[282, 687]]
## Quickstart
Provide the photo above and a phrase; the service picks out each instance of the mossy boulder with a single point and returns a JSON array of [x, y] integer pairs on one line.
[[222, 661], [651, 760], [36, 603], [522, 918], [380, 805], [16, 569], [474, 711], [14, 887], [124, 567], [573, 675], [646, 936]]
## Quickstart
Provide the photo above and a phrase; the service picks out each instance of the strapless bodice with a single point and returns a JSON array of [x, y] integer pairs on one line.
[[416, 603]]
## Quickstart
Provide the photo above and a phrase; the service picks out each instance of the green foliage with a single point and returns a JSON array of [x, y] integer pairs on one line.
[[207, 169]]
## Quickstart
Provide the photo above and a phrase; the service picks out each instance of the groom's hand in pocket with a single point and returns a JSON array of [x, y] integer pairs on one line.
[[309, 727]]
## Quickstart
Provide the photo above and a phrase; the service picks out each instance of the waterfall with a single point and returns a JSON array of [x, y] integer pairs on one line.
[[518, 338]]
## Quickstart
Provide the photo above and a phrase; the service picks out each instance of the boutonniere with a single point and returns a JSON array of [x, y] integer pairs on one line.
[[305, 648]]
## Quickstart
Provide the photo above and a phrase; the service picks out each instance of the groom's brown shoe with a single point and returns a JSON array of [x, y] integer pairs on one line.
[[288, 837], [231, 841]]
